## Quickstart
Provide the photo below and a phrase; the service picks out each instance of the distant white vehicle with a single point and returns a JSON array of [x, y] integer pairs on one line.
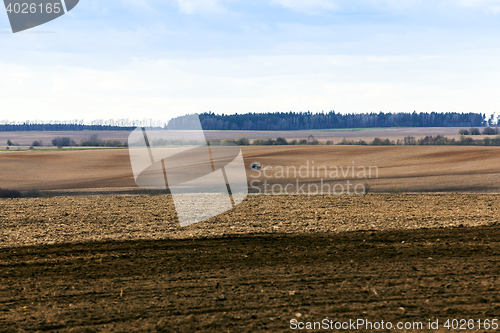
[[255, 166]]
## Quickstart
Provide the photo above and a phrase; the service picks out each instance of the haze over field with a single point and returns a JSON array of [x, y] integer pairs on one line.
[[159, 59]]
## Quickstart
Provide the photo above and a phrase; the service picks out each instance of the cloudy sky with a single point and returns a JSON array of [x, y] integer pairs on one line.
[[163, 58]]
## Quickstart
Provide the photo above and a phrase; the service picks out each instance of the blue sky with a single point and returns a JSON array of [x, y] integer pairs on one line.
[[159, 59]]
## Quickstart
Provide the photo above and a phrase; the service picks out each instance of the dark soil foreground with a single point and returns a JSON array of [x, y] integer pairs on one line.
[[253, 283]]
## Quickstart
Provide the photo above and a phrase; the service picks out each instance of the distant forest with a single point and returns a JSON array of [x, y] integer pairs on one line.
[[278, 121], [282, 121], [60, 127], [79, 125]]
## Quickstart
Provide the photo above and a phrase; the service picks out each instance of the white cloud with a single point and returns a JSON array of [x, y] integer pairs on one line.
[[479, 3], [350, 67], [317, 6], [493, 6], [364, 6], [199, 6], [210, 6], [309, 6], [164, 88]]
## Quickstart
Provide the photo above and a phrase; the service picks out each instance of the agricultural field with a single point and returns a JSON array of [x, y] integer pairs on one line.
[[98, 254], [25, 139], [107, 264], [387, 168]]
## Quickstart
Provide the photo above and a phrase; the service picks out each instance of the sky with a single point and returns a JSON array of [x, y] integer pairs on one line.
[[159, 59]]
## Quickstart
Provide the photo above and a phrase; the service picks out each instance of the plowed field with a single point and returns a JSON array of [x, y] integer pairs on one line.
[[102, 264], [407, 168]]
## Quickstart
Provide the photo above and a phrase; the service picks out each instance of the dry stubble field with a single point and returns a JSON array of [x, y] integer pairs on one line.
[[122, 263]]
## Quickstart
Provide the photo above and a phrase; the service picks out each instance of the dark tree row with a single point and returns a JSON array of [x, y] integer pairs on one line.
[[80, 125], [282, 121], [278, 121]]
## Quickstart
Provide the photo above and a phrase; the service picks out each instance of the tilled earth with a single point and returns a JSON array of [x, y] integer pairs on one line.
[[92, 264], [97, 218]]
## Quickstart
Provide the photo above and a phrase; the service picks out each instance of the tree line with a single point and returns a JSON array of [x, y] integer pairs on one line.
[[438, 140], [429, 140], [60, 127], [80, 125], [277, 121], [288, 121], [92, 141]]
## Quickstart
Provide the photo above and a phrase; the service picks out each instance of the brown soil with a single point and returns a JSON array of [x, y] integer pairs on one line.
[[123, 264], [25, 222], [254, 283], [407, 168]]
